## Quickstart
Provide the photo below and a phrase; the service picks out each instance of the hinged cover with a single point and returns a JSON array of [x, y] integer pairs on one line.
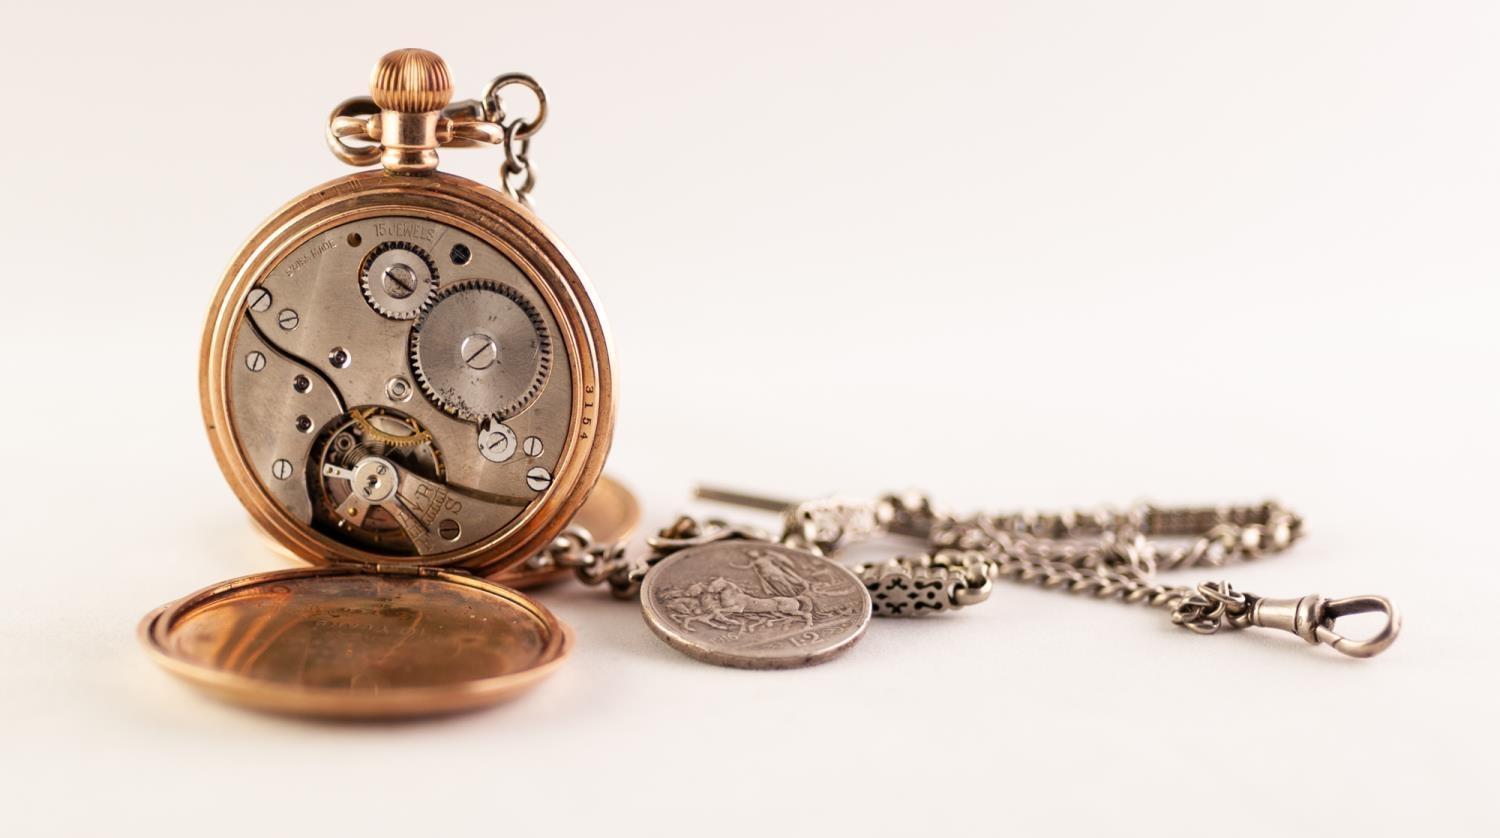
[[355, 642]]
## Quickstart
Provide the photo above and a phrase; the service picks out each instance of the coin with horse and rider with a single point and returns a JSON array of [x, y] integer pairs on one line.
[[754, 605]]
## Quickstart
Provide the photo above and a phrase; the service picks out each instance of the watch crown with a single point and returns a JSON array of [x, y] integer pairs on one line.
[[411, 81]]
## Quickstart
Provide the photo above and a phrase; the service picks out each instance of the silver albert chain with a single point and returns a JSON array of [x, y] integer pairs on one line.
[[735, 596]]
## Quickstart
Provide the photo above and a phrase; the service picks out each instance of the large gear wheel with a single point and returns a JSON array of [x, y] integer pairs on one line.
[[398, 279], [480, 350]]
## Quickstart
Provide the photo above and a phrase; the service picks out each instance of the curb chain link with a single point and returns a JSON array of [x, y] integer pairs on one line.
[[1108, 554], [1101, 553]]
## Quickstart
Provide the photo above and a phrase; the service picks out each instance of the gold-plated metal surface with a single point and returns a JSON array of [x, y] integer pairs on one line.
[[312, 226], [406, 383], [407, 116], [411, 87], [411, 81], [353, 642], [611, 513]]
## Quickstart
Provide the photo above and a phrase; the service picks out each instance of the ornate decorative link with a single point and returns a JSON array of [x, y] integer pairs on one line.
[[918, 586], [1110, 555], [1103, 553]]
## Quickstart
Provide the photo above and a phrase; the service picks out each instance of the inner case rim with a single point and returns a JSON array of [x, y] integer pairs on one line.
[[156, 627]]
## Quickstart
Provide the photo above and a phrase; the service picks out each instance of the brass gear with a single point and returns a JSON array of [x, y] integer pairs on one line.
[[361, 419]]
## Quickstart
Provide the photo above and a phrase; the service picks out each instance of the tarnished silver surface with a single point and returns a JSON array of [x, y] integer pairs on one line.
[[273, 391], [497, 442], [398, 279], [754, 605], [347, 354], [1110, 554]]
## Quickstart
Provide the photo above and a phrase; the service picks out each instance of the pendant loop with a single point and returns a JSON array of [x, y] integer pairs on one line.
[[1312, 618]]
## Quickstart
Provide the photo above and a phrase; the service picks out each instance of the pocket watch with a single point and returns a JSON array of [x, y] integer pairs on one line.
[[406, 382]]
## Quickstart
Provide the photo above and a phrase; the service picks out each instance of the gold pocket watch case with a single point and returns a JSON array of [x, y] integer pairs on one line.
[[351, 642], [406, 383], [472, 424]]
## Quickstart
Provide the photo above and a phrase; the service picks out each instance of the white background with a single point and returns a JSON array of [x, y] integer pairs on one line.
[[1015, 253]]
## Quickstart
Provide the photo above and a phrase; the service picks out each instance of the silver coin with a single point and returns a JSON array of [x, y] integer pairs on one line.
[[754, 605]]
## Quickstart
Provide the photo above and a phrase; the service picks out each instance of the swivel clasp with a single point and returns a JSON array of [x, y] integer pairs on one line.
[[1312, 618]]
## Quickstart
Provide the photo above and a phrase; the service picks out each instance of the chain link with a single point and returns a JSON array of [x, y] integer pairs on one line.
[[1108, 554], [1103, 553], [517, 175], [1211, 607], [599, 564], [593, 563], [1100, 552]]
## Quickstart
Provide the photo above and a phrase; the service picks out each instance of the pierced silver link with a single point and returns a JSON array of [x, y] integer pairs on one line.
[[920, 586], [1100, 552]]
